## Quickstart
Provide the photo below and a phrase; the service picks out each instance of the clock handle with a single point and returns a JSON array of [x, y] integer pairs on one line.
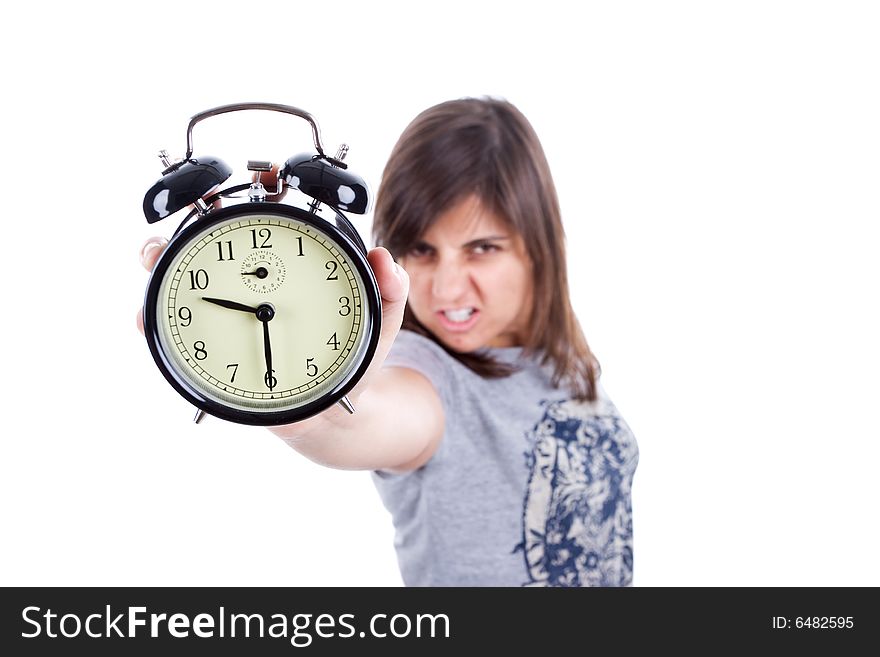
[[235, 107]]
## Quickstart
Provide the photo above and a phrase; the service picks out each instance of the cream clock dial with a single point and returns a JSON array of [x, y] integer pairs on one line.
[[262, 315]]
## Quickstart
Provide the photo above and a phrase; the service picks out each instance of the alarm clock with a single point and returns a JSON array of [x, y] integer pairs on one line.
[[264, 311]]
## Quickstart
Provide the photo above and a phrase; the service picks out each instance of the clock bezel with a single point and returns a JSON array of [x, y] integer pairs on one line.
[[372, 319]]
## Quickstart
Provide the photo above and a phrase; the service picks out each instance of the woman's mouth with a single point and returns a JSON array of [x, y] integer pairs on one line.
[[458, 319]]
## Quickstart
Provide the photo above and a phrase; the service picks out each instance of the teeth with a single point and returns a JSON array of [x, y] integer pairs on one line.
[[459, 315]]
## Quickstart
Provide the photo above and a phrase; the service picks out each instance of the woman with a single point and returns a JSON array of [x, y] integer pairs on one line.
[[498, 455]]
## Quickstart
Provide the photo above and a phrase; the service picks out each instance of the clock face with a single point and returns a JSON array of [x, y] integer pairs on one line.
[[261, 313]]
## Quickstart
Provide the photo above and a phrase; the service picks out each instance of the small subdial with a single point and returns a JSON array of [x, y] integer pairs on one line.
[[263, 271]]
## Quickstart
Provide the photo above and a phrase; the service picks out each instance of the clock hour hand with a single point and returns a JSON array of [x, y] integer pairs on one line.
[[233, 305]]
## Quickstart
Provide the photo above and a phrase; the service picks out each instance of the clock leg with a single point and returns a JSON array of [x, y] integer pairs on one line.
[[200, 414], [347, 405]]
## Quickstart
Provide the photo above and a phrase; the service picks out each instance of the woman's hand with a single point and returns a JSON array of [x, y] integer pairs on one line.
[[150, 252]]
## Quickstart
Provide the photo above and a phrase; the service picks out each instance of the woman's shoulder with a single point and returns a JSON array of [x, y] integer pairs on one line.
[[410, 340], [420, 353], [410, 346]]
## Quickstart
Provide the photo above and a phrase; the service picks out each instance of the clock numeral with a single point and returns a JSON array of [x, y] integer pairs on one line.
[[228, 250], [185, 315], [345, 301], [234, 367], [333, 342], [311, 368], [200, 352], [299, 241], [331, 266], [265, 234], [198, 279], [270, 380]]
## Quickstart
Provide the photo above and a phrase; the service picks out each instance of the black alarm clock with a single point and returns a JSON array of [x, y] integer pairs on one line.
[[262, 311]]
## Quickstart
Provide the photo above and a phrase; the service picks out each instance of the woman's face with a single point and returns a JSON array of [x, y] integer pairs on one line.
[[471, 279]]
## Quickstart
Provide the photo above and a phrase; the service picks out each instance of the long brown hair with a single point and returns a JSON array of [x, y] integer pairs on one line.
[[486, 147]]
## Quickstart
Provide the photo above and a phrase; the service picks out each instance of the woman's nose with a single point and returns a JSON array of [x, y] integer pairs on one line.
[[450, 280]]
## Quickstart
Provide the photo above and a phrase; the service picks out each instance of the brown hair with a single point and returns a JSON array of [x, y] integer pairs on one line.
[[486, 147]]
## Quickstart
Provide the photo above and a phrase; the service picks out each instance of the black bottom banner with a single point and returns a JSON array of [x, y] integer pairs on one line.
[[270, 621]]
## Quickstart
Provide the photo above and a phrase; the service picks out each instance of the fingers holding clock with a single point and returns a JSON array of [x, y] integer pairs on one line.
[[393, 280], [149, 254], [151, 250], [394, 287]]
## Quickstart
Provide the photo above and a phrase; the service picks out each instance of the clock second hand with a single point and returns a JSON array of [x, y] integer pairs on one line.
[[261, 272]]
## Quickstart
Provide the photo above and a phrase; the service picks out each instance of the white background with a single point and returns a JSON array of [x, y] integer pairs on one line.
[[718, 166]]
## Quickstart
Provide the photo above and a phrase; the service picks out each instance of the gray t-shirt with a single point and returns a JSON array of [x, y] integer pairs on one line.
[[527, 487]]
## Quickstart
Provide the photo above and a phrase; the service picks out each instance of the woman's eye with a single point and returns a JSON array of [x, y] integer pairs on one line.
[[420, 250], [486, 247]]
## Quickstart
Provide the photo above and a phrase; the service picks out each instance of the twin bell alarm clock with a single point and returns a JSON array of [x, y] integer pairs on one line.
[[263, 309]]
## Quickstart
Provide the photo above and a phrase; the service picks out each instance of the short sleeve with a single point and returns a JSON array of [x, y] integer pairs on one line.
[[426, 357]]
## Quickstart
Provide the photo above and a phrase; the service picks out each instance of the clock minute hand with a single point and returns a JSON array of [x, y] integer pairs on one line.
[[267, 347], [265, 313], [232, 305]]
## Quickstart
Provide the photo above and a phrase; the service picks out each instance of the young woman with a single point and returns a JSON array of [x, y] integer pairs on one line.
[[499, 456]]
